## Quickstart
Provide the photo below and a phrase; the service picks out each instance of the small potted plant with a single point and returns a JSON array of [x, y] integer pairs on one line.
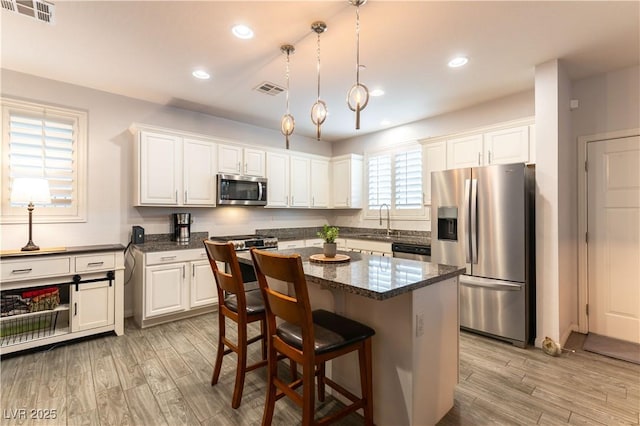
[[329, 235]]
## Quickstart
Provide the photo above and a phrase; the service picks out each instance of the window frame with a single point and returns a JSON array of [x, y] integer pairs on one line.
[[419, 213], [79, 120]]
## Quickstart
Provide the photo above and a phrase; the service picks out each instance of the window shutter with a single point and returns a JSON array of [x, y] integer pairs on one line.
[[44, 147], [408, 179], [379, 180]]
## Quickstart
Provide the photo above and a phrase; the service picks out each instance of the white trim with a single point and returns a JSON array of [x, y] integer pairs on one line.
[[80, 119], [583, 288]]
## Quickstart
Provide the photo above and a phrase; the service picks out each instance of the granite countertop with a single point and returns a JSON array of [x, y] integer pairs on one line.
[[163, 242], [61, 250], [375, 277], [373, 234]]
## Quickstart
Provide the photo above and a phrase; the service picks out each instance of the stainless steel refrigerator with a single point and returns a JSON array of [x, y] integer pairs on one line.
[[483, 218]]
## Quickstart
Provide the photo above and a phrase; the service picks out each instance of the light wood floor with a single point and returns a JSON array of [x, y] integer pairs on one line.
[[161, 376]]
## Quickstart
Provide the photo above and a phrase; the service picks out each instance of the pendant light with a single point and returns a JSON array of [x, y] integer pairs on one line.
[[287, 124], [358, 96], [319, 109]]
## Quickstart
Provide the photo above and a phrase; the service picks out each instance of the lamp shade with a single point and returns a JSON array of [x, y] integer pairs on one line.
[[30, 190]]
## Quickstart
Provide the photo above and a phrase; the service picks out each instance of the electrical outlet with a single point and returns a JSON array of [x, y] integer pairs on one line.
[[419, 324]]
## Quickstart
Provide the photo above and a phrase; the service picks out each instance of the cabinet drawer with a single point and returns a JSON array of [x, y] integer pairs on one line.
[[27, 269], [95, 262], [160, 257]]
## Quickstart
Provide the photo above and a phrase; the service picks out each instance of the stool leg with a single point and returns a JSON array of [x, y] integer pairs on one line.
[[270, 400], [366, 380], [308, 392], [220, 353], [241, 367], [263, 333], [321, 373]]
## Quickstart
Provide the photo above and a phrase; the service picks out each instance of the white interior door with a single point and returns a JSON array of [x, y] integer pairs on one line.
[[613, 226]]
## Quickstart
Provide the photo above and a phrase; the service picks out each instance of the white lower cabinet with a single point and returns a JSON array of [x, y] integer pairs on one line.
[[172, 284], [203, 293]]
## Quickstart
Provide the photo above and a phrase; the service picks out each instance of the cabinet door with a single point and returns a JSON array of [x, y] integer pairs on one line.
[[320, 183], [434, 157], [199, 172], [341, 183], [464, 152], [165, 289], [203, 287], [299, 181], [229, 159], [93, 306], [254, 164], [507, 146], [278, 180], [160, 168]]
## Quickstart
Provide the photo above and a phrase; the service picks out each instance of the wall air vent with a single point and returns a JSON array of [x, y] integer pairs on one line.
[[36, 9], [269, 88]]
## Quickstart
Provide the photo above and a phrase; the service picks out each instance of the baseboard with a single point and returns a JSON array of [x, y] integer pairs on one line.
[[564, 336]]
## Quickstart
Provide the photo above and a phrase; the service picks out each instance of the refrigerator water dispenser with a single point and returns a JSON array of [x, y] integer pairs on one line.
[[448, 223]]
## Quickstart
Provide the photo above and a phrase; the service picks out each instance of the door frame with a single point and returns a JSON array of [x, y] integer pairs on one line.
[[583, 284]]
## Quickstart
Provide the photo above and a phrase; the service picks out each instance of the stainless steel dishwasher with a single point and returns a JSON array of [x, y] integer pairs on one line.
[[412, 251]]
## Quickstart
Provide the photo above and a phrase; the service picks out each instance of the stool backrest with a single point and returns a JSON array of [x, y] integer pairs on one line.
[[229, 282], [292, 309]]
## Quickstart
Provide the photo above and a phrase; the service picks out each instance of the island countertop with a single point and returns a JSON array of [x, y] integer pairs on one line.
[[375, 277]]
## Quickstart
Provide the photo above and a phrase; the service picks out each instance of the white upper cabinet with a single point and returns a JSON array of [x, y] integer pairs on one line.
[[504, 145], [159, 165], [464, 152], [346, 181], [278, 179], [507, 146], [199, 172], [300, 182], [319, 183], [434, 158], [174, 171], [241, 161]]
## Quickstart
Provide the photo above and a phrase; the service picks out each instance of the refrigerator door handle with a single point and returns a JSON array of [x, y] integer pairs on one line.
[[474, 221], [469, 281], [466, 209]]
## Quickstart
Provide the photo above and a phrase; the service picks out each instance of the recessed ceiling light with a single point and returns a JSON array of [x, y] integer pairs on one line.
[[377, 92], [458, 61], [242, 31], [201, 74]]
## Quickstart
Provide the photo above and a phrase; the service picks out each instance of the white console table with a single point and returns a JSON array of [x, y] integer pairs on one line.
[[90, 284]]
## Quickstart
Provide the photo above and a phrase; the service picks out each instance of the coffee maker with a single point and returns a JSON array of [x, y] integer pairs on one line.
[[182, 228]]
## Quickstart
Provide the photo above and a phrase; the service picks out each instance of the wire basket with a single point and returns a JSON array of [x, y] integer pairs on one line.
[[28, 315]]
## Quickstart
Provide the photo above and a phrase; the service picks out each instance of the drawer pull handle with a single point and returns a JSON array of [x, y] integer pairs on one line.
[[95, 263], [167, 257], [22, 271]]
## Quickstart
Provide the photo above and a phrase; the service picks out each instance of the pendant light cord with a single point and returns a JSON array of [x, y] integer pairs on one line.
[[358, 44], [318, 66]]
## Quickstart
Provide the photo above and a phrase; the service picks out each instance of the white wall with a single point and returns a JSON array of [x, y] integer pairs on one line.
[[110, 211]]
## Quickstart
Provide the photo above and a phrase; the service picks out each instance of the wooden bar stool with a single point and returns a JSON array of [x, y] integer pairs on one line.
[[240, 306], [309, 338]]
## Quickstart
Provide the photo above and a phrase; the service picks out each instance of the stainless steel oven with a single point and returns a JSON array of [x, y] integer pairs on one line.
[[241, 190]]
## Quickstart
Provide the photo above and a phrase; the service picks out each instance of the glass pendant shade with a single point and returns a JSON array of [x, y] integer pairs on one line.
[[319, 108], [358, 96], [287, 123]]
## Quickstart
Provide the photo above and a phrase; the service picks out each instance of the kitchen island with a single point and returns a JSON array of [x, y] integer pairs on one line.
[[413, 306]]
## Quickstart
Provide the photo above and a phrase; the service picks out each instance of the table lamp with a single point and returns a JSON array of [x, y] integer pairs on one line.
[[30, 190]]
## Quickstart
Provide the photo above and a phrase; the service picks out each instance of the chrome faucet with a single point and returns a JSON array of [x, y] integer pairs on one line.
[[380, 214]]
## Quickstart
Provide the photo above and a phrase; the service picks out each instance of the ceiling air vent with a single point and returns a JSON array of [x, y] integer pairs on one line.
[[37, 9], [269, 88]]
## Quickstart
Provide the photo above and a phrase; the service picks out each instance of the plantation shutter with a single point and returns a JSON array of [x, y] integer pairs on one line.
[[379, 180], [44, 147], [408, 179]]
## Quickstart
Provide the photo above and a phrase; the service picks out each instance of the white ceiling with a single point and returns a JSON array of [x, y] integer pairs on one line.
[[147, 50]]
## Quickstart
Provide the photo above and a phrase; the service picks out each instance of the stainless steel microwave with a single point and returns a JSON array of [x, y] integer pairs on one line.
[[241, 190]]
